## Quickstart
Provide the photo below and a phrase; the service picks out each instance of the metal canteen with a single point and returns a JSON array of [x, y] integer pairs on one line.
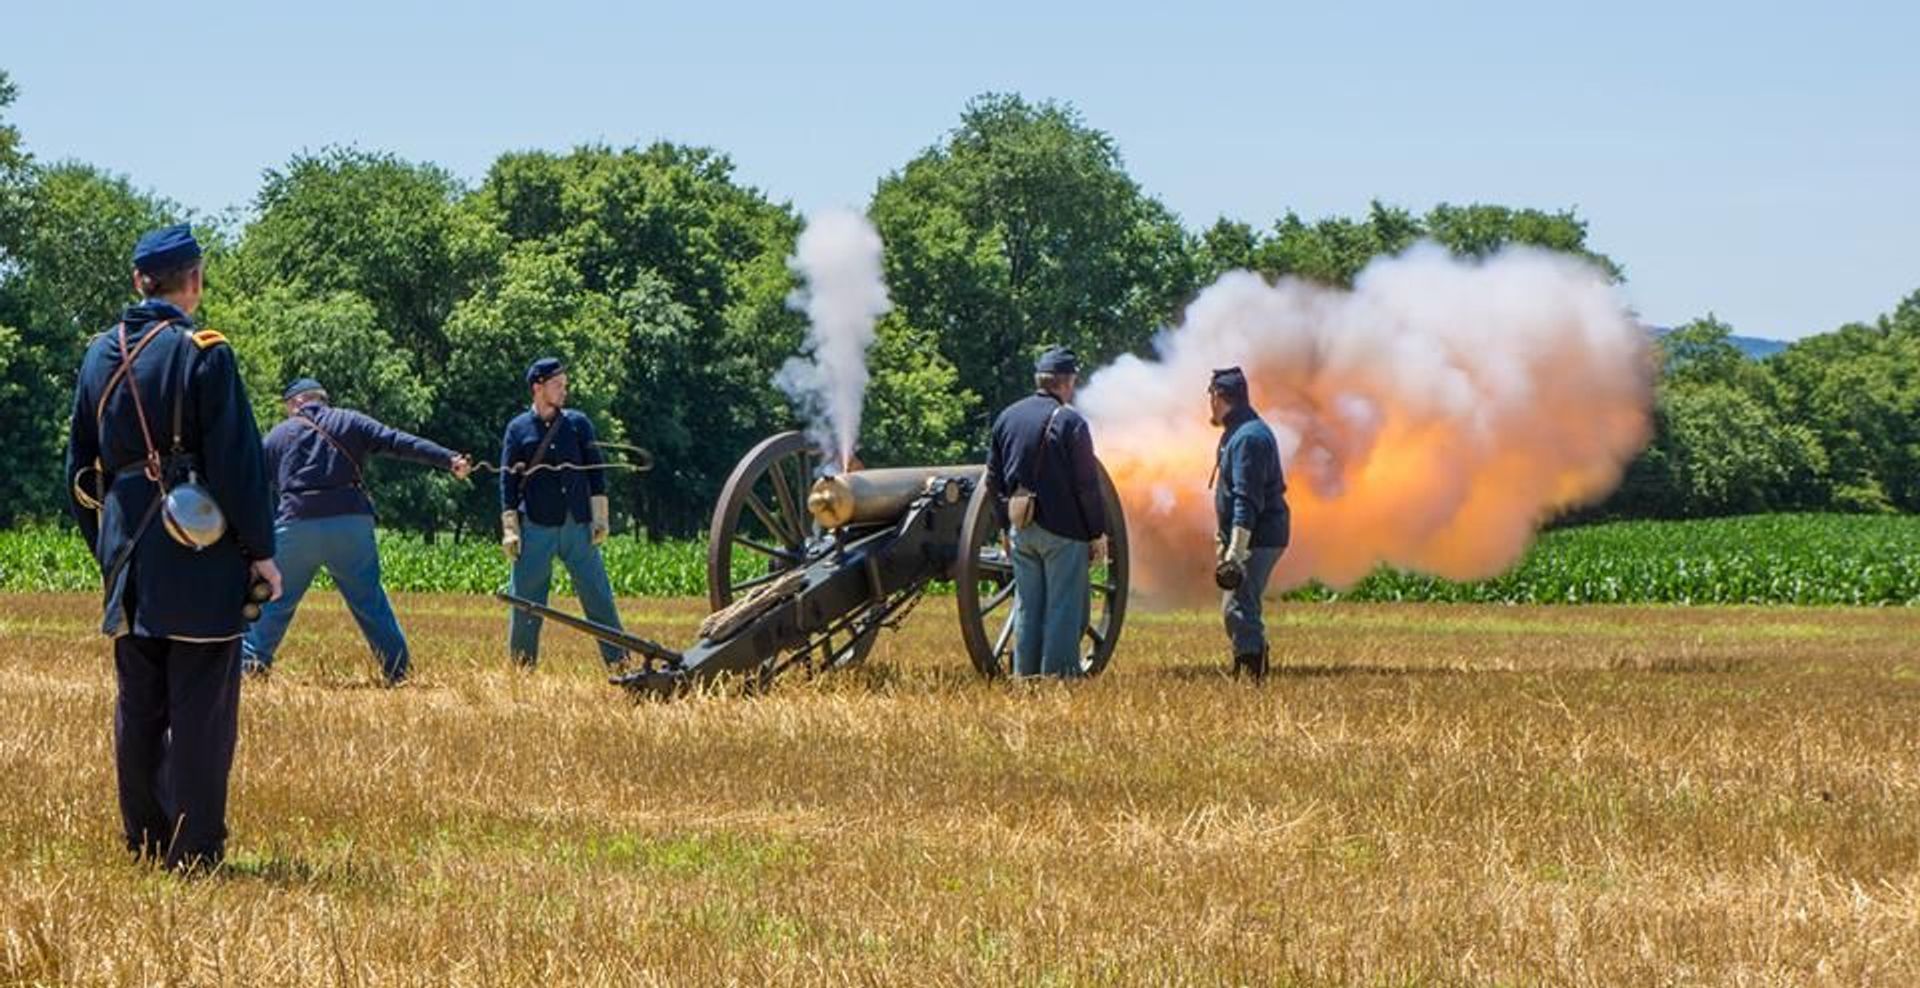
[[192, 517]]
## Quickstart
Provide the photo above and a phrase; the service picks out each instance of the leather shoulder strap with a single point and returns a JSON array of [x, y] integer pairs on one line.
[[119, 375], [546, 442], [122, 375], [1046, 436], [359, 480]]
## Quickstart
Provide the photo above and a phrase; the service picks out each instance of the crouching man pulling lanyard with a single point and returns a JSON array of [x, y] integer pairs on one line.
[[1250, 509], [159, 415], [549, 507]]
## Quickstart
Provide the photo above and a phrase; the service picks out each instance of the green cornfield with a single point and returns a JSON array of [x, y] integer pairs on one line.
[[49, 558], [1758, 559]]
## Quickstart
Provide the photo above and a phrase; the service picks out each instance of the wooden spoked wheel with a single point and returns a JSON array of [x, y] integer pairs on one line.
[[761, 529]]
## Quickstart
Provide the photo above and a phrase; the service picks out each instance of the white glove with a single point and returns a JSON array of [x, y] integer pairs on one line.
[[1240, 547], [510, 533], [602, 523]]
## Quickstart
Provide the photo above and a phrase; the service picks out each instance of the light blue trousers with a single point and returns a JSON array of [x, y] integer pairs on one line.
[[573, 544], [343, 545], [1050, 594], [1241, 606]]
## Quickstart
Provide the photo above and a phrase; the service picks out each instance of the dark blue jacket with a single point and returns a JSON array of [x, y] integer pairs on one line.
[[1250, 489], [1067, 488], [317, 479], [167, 590], [551, 497]]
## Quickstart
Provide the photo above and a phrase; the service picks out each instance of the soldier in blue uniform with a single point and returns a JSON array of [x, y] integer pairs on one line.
[[1046, 485], [159, 405], [325, 519], [1250, 511], [551, 507]]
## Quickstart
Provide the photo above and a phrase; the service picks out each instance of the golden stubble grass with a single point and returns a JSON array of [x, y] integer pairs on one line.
[[1425, 795]]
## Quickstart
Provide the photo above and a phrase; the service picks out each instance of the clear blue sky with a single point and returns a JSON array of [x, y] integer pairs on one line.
[[1762, 164]]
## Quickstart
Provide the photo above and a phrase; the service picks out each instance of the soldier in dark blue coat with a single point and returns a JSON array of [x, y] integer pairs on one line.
[[159, 407], [1250, 508], [550, 506], [325, 519], [1046, 484]]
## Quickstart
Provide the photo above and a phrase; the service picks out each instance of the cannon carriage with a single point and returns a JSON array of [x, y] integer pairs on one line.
[[806, 571]]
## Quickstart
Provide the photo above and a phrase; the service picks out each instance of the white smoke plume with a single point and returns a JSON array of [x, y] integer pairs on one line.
[[844, 292], [1430, 419]]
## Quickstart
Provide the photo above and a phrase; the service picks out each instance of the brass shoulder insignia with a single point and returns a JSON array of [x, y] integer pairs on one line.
[[207, 338]]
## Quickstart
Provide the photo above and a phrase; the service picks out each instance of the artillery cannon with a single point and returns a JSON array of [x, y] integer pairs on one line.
[[805, 570]]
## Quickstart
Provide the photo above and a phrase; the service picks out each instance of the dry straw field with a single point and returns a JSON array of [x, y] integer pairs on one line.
[[1426, 795]]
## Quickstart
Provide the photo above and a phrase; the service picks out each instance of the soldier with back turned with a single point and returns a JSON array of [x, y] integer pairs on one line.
[[168, 483]]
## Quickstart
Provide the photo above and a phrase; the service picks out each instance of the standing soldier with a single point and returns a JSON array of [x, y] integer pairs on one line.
[[161, 423], [550, 506], [325, 518], [1046, 485], [1250, 511]]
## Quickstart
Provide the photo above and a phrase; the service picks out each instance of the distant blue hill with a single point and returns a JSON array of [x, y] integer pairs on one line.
[[1752, 346]]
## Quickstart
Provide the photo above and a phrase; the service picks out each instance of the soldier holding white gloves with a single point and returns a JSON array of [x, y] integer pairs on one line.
[[553, 502]]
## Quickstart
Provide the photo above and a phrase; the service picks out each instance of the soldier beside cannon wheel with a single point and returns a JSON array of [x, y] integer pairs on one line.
[[1046, 484]]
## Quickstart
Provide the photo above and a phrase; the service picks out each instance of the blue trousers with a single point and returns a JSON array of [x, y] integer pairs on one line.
[[1241, 606], [1050, 595], [533, 580], [343, 544]]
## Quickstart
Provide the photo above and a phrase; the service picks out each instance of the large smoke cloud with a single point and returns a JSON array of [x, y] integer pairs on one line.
[[1429, 419]]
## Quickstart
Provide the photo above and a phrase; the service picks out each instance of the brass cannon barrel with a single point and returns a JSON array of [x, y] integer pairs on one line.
[[863, 497]]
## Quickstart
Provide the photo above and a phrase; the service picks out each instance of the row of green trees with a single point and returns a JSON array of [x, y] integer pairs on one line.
[[1830, 423], [664, 282]]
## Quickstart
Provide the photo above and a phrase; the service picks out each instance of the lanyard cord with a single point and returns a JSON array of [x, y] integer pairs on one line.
[[526, 471], [644, 464]]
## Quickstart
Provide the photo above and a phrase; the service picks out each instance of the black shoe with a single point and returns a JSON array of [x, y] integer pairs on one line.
[[1253, 665], [255, 670]]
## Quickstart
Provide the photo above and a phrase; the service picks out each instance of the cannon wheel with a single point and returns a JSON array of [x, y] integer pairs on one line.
[[762, 516], [984, 585]]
